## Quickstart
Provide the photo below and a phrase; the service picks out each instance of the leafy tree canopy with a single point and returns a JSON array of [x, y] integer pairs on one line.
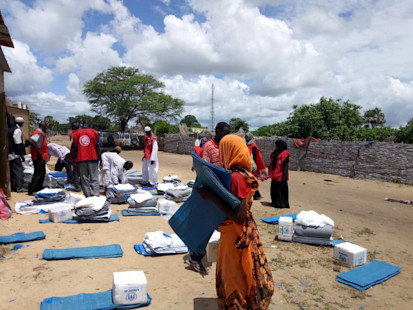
[[237, 123], [123, 94], [374, 118], [190, 121], [405, 134]]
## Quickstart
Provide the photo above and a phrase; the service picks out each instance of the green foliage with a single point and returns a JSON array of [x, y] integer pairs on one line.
[[79, 120], [405, 134], [374, 118], [237, 123], [190, 121], [34, 120], [376, 134], [100, 123], [328, 120], [162, 127], [264, 131], [123, 94]]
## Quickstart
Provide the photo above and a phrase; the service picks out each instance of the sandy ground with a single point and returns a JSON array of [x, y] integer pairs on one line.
[[357, 207]]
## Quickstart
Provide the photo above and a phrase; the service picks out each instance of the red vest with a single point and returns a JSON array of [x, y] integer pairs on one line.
[[277, 173], [86, 140], [43, 148], [147, 151], [198, 150]]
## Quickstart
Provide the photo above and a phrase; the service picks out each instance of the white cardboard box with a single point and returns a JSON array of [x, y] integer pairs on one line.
[[350, 254], [167, 206], [129, 287], [212, 247], [61, 213], [285, 228]]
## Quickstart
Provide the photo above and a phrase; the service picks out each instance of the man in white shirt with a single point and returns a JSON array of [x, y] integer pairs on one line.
[[150, 158], [62, 153], [16, 154], [112, 170]]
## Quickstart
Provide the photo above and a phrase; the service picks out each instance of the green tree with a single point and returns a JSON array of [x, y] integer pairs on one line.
[[264, 131], [34, 119], [123, 94], [190, 121], [405, 134], [101, 123], [328, 120], [237, 123], [51, 123], [374, 118], [162, 127], [79, 119]]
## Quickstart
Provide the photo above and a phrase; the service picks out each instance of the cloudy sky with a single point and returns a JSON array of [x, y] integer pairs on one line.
[[263, 56]]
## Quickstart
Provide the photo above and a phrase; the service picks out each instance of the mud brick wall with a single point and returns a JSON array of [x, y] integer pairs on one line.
[[390, 162]]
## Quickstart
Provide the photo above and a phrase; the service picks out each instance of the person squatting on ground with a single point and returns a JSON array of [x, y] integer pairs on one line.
[[243, 276], [278, 172], [16, 152], [113, 167], [258, 168], [86, 155], [38, 149], [150, 158], [210, 153], [62, 154]]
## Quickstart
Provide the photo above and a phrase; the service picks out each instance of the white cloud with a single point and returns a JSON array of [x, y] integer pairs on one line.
[[27, 76], [267, 58], [89, 56], [49, 25]]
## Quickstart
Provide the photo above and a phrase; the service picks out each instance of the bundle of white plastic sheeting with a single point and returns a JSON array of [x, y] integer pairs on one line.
[[93, 202], [161, 243], [312, 218]]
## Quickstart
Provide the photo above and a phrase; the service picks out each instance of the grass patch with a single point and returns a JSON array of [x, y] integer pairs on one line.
[[372, 255], [278, 261], [364, 232]]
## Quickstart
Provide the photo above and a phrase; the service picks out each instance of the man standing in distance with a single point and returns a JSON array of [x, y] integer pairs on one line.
[[210, 153], [150, 158], [86, 155], [38, 149], [16, 154], [210, 150]]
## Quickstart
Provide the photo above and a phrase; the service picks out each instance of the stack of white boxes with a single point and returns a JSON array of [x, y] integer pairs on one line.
[[285, 228], [129, 287], [212, 247], [350, 254]]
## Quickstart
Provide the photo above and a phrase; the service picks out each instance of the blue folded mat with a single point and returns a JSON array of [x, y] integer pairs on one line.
[[105, 251], [195, 221], [22, 237], [140, 249], [113, 218], [275, 219], [128, 213], [93, 301], [368, 275]]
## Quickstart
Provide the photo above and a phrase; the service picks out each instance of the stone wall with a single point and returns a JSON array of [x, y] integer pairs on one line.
[[390, 162]]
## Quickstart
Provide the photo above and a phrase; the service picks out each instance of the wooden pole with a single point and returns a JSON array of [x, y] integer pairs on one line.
[[4, 149]]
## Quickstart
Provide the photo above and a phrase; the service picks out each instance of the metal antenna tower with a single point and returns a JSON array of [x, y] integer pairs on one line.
[[212, 107]]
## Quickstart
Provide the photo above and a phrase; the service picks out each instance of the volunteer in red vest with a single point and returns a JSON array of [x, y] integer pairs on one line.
[[38, 148], [86, 156], [258, 165], [278, 172], [150, 158]]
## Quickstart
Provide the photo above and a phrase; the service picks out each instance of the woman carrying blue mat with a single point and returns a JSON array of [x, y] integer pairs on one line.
[[243, 276]]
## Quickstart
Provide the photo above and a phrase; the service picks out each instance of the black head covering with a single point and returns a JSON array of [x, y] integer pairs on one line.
[[281, 146]]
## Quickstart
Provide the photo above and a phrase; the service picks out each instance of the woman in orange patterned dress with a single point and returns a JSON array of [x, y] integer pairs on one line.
[[243, 276]]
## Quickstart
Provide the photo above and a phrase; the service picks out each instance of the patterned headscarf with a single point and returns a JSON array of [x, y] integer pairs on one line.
[[234, 153]]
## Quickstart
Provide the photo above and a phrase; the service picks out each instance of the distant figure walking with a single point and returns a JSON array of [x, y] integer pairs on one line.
[[150, 158], [278, 172]]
